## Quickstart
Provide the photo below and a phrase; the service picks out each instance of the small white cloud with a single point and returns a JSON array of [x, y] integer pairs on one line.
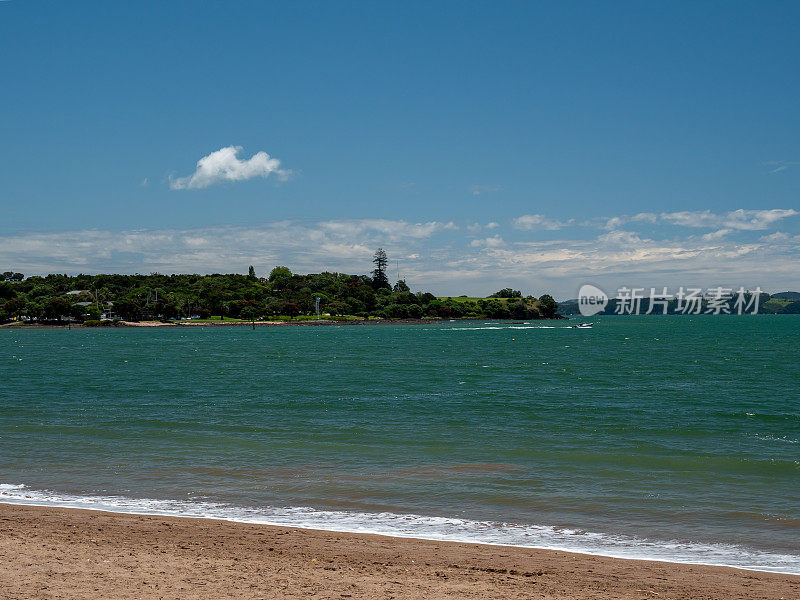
[[716, 235], [490, 242], [477, 190], [646, 217], [617, 222], [778, 236], [781, 165], [614, 223], [391, 230], [145, 182], [476, 227], [621, 238], [224, 165], [530, 222]]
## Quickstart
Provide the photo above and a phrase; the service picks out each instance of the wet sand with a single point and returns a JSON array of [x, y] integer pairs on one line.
[[56, 553]]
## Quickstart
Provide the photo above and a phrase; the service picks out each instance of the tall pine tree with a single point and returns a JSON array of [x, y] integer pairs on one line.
[[379, 278]]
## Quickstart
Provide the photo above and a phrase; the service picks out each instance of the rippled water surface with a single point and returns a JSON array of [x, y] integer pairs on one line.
[[669, 437]]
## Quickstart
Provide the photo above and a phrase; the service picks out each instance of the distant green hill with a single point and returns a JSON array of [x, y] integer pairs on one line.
[[787, 295]]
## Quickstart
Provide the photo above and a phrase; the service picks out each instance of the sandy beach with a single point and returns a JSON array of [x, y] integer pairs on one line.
[[67, 553]]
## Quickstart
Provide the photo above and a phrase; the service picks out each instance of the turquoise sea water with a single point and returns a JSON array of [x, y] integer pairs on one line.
[[674, 438]]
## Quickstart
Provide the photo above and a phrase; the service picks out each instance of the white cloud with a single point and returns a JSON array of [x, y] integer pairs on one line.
[[333, 245], [781, 239], [736, 220], [476, 227], [778, 236], [431, 256], [742, 220], [615, 222], [224, 165], [477, 190], [531, 222], [620, 237], [717, 235], [490, 242], [624, 258], [391, 229], [781, 165]]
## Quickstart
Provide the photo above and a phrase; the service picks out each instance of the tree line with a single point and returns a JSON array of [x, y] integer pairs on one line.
[[282, 293]]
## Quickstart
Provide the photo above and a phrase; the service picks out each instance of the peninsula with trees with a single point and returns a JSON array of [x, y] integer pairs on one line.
[[280, 296]]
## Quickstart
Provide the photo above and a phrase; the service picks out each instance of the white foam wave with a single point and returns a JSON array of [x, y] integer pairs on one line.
[[10, 486], [423, 527], [773, 438]]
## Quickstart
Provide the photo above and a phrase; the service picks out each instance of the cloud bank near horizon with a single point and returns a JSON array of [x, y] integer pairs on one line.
[[224, 165], [447, 258]]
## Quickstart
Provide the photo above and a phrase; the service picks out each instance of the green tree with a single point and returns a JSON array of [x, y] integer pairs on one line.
[[91, 313], [127, 308], [507, 293], [251, 273], [793, 308], [16, 307], [520, 310], [414, 311], [55, 308], [6, 291], [379, 278], [401, 286], [547, 306], [280, 277], [249, 312], [291, 309]]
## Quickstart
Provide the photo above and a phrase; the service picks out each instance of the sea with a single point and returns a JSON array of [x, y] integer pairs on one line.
[[672, 438]]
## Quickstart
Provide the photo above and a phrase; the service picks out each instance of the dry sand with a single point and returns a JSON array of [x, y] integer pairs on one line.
[[67, 553]]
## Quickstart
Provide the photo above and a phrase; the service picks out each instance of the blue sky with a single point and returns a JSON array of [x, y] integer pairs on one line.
[[538, 145]]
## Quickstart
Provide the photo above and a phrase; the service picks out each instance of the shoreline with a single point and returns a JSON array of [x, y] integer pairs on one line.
[[185, 324], [76, 553], [413, 527], [303, 323]]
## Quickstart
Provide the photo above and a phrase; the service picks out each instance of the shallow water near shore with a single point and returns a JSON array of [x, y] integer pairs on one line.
[[673, 438]]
